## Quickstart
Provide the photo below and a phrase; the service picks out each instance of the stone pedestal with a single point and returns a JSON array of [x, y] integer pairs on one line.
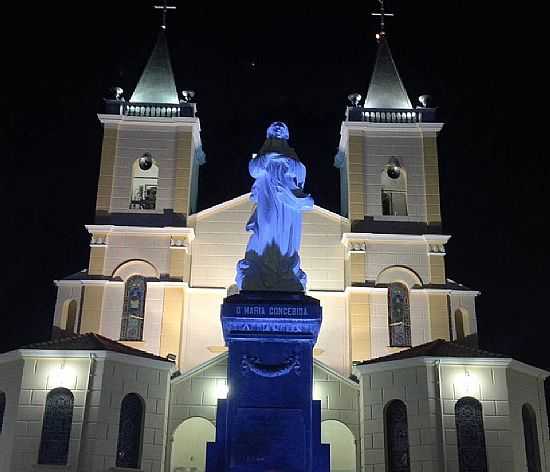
[[269, 422]]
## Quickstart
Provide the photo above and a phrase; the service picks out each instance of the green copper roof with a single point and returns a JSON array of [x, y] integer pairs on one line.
[[386, 89], [156, 84]]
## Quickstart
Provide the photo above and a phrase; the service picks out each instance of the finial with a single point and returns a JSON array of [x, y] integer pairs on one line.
[[382, 14], [164, 9]]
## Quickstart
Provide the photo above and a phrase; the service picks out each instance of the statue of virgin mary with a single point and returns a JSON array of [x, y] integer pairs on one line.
[[272, 261]]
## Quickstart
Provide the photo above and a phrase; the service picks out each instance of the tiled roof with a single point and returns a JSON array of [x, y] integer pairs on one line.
[[437, 348], [91, 342]]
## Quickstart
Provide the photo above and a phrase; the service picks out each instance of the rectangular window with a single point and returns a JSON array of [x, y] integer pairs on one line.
[[394, 203]]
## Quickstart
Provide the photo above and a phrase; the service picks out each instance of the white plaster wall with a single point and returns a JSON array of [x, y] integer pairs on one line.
[[381, 255], [221, 239], [201, 327], [415, 387], [488, 385], [114, 380], [125, 247], [419, 316], [380, 147], [64, 293], [334, 340], [11, 374], [523, 389], [133, 141], [39, 376]]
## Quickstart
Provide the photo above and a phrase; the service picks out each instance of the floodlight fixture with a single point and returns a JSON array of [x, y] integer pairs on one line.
[[425, 100], [187, 95], [355, 99], [146, 161]]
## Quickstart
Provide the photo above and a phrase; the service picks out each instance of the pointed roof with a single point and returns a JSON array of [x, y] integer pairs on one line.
[[91, 342], [437, 348], [386, 89], [157, 84]]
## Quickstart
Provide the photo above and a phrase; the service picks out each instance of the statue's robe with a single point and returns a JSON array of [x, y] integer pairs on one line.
[[272, 259]]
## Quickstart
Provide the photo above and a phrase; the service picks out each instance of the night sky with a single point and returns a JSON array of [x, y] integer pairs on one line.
[[258, 64]]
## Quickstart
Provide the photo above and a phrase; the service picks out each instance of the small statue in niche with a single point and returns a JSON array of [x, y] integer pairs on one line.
[[272, 261]]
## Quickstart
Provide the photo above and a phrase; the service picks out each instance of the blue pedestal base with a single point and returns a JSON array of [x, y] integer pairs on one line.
[[269, 422]]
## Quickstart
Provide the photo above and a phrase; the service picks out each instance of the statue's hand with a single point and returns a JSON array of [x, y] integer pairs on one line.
[[295, 198]]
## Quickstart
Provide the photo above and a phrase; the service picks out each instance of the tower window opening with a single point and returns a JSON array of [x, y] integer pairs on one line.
[[393, 182], [145, 176]]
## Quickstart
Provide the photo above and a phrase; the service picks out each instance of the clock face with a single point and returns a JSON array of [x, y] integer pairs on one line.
[[146, 161]]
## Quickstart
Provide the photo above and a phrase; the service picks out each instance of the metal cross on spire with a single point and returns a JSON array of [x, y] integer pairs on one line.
[[382, 14], [164, 9]]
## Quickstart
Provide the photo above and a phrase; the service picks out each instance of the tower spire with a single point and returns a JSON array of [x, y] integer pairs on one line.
[[382, 14], [165, 7]]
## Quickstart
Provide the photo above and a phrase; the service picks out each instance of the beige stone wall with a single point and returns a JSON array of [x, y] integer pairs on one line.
[[65, 293], [359, 310], [170, 337], [410, 254], [133, 140], [358, 263], [92, 309], [184, 158], [106, 169], [179, 264], [97, 260], [431, 177], [437, 270], [407, 146], [356, 177], [439, 316]]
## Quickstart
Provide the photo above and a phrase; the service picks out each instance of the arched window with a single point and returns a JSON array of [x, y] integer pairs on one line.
[[530, 433], [2, 408], [130, 431], [459, 324], [397, 437], [472, 456], [134, 308], [70, 323], [399, 319], [56, 427], [393, 182], [145, 177]]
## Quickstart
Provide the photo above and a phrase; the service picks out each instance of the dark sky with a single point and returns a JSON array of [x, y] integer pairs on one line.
[[253, 65]]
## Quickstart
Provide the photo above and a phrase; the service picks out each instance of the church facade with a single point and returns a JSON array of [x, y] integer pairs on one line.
[[132, 380]]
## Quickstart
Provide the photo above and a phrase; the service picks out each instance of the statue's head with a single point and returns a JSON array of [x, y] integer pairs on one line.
[[278, 130]]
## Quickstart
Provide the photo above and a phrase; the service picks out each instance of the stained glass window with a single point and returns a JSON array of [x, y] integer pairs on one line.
[[2, 408], [56, 427], [397, 437], [530, 433], [472, 456], [130, 431], [134, 308], [399, 315]]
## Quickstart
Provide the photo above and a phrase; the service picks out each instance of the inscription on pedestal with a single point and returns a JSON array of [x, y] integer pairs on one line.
[[274, 439]]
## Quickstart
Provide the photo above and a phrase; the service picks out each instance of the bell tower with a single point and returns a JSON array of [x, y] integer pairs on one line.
[[400, 295], [134, 287]]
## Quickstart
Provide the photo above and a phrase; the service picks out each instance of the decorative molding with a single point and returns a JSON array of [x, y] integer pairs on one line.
[[254, 365]]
